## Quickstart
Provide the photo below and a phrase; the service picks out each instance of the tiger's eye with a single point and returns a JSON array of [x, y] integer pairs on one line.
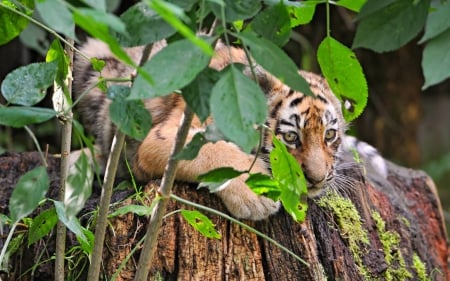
[[330, 135], [290, 137]]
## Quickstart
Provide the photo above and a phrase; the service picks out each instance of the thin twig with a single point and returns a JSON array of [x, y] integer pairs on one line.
[[154, 225]]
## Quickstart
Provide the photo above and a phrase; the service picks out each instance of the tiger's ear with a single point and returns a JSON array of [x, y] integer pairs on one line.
[[266, 81]]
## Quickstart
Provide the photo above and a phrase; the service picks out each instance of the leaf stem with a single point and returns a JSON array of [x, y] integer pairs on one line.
[[327, 11], [165, 190], [241, 224], [38, 147]]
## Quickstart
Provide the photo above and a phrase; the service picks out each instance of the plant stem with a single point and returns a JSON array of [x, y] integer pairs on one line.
[[241, 224], [36, 142], [105, 198], [327, 9], [5, 245], [165, 190], [65, 153]]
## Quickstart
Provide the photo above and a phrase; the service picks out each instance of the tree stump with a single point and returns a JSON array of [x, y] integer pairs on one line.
[[381, 229]]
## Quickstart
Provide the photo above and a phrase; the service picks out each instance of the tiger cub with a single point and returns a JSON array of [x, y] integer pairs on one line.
[[311, 127]]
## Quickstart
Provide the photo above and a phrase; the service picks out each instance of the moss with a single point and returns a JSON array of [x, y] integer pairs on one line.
[[349, 222], [420, 268], [390, 240]]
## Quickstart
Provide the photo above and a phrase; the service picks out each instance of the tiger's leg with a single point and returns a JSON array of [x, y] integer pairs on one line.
[[239, 199]]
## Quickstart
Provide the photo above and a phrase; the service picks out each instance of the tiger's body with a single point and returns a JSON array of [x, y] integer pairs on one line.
[[311, 127]]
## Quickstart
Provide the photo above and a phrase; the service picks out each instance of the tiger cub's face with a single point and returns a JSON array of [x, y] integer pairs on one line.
[[310, 127]]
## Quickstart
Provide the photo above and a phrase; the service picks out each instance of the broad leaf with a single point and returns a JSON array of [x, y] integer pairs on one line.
[[237, 105], [35, 38], [27, 85], [236, 10], [144, 26], [287, 172], [392, 26], [437, 22], [354, 5], [344, 75], [79, 185], [219, 175], [42, 225], [97, 4], [98, 25], [274, 24], [134, 209], [57, 15], [56, 53], [12, 24], [28, 192], [20, 116], [436, 59], [130, 116], [274, 60], [71, 222], [201, 223], [172, 14], [192, 148], [171, 69], [197, 93], [302, 13], [264, 185]]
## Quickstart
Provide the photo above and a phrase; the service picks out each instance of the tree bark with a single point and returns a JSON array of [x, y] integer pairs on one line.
[[401, 235]]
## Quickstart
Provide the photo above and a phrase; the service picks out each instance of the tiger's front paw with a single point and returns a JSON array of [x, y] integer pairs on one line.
[[243, 203]]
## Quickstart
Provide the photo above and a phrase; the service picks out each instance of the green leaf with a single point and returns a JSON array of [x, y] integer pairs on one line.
[[35, 38], [41, 225], [192, 148], [20, 116], [97, 4], [184, 4], [274, 60], [197, 94], [87, 245], [134, 209], [79, 185], [98, 25], [344, 75], [11, 23], [219, 175], [274, 24], [392, 26], [28, 192], [302, 13], [56, 53], [170, 76], [237, 105], [286, 170], [130, 116], [436, 59], [170, 13], [201, 223], [353, 5], [71, 222], [27, 85], [236, 10], [144, 26], [437, 21], [57, 15], [264, 185]]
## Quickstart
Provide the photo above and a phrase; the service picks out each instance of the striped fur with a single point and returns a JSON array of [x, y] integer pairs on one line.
[[311, 127]]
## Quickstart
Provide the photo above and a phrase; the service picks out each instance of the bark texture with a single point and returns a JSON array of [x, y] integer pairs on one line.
[[382, 229]]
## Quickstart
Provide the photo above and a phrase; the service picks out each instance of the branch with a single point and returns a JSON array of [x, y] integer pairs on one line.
[[165, 190]]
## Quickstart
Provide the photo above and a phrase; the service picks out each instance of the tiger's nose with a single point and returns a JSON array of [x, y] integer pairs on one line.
[[313, 176]]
